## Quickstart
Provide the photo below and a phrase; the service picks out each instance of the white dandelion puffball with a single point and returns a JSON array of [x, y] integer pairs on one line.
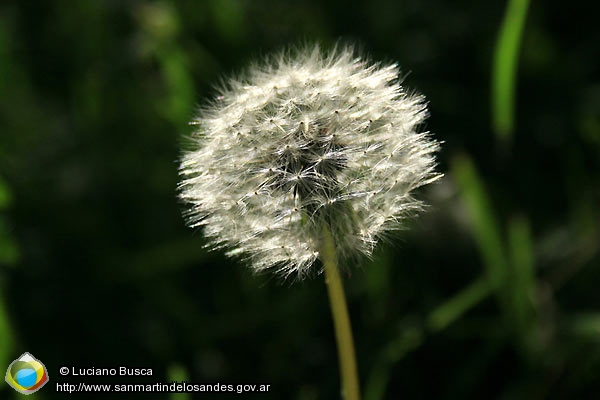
[[303, 140]]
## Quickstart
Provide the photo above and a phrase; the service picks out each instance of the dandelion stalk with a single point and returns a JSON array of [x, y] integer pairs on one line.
[[341, 320]]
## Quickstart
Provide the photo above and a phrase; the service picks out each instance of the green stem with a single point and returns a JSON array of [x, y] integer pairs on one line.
[[341, 320], [505, 67]]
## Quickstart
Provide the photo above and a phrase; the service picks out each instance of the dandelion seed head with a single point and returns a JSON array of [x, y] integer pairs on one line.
[[303, 140]]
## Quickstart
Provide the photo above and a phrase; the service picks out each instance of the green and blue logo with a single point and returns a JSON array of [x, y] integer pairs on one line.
[[26, 374]]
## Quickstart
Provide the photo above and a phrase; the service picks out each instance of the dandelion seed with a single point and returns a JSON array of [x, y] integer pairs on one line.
[[331, 137]]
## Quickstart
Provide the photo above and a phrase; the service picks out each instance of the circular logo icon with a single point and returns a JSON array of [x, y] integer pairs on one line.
[[26, 374]]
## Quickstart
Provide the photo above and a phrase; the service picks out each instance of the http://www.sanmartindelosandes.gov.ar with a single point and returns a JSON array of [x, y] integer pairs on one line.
[[26, 374]]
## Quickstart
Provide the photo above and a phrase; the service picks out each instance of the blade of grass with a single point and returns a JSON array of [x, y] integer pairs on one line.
[[8, 256], [6, 334], [161, 23], [486, 229], [458, 305], [178, 373], [9, 252], [5, 196], [179, 102], [585, 326], [522, 287], [504, 68], [410, 338]]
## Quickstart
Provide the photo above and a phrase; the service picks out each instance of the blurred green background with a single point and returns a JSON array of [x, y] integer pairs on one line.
[[493, 293]]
